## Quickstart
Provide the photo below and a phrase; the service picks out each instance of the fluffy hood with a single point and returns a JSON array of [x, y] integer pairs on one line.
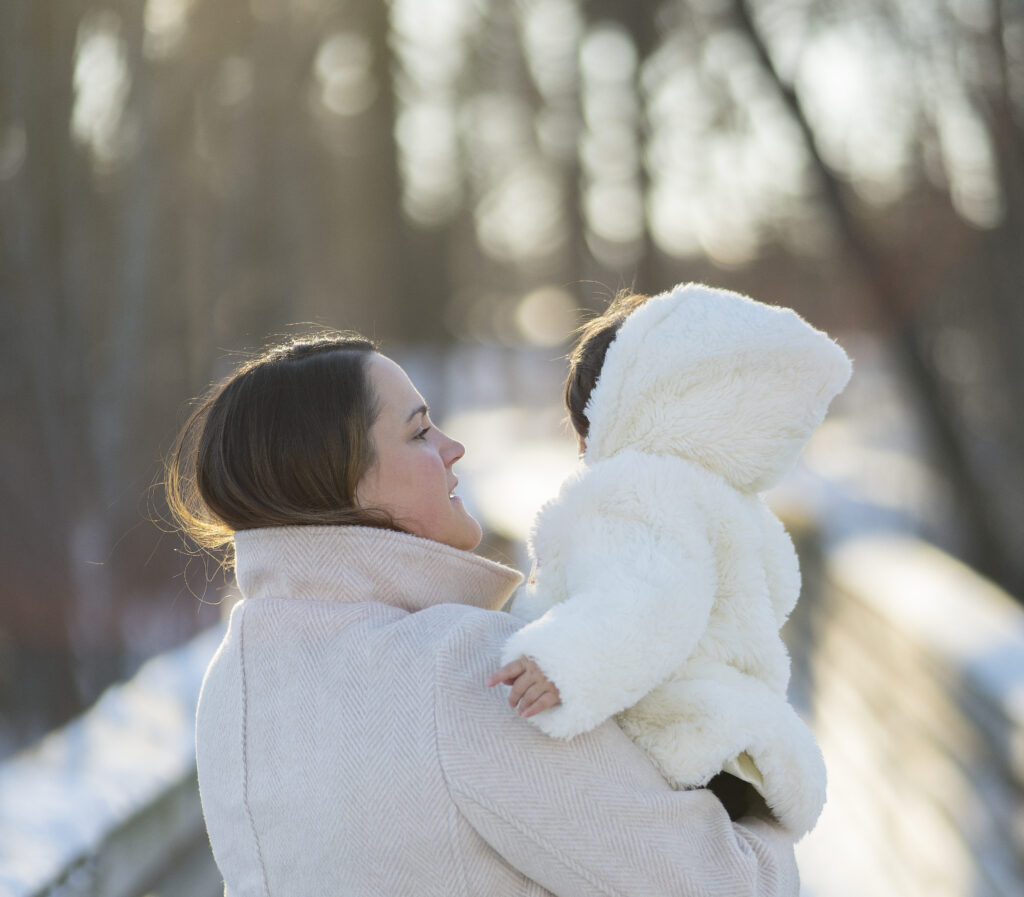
[[718, 379]]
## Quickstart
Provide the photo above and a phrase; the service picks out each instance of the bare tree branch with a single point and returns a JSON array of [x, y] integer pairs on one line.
[[893, 297]]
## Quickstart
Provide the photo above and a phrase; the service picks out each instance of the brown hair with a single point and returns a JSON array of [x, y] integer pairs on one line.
[[586, 360], [283, 441]]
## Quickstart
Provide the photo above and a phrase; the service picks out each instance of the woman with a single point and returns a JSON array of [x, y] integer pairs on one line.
[[347, 742]]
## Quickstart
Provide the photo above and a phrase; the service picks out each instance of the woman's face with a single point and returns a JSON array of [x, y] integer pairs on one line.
[[412, 477]]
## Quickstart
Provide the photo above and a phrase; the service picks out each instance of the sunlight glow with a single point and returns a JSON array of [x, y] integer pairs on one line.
[[551, 31], [723, 159], [615, 211], [101, 84], [343, 71], [973, 14], [432, 22], [428, 149], [858, 90], [13, 145], [671, 211], [969, 162], [546, 316], [613, 204], [1013, 46], [429, 39], [551, 34], [608, 55], [520, 217], [166, 23]]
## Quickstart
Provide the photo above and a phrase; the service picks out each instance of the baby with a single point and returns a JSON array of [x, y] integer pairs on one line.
[[661, 577]]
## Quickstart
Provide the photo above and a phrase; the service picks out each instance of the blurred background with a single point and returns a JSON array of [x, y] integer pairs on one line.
[[459, 179]]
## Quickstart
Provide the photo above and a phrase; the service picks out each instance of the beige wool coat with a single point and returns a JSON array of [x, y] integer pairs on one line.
[[348, 747]]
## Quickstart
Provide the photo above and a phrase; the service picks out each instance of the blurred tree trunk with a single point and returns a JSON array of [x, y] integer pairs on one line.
[[895, 294], [42, 493], [375, 291], [1000, 286], [412, 269], [639, 22]]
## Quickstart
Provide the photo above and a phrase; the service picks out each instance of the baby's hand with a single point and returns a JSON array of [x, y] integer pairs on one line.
[[531, 689]]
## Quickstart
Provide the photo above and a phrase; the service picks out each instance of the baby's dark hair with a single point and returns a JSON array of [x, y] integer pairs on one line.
[[586, 360]]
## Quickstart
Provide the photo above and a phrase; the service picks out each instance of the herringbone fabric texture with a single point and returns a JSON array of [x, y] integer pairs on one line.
[[348, 747]]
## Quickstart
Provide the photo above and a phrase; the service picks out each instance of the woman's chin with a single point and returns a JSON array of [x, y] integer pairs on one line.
[[473, 539], [470, 533]]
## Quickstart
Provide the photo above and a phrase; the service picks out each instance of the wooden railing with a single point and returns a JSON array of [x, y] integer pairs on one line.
[[108, 806], [915, 680]]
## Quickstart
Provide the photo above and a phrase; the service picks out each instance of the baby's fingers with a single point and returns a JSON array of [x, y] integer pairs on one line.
[[522, 686], [535, 701], [508, 673]]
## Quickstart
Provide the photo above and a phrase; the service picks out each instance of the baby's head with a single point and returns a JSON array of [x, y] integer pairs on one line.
[[587, 358]]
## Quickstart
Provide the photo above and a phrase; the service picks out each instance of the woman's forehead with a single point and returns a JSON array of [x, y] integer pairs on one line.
[[395, 391]]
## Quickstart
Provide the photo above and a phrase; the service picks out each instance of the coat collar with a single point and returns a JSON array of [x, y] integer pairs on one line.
[[355, 563]]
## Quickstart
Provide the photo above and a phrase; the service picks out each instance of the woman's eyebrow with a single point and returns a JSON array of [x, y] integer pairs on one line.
[[423, 409]]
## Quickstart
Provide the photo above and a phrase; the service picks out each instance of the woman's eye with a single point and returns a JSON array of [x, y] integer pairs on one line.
[[422, 433]]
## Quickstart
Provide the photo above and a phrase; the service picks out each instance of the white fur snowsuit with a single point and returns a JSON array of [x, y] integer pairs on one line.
[[662, 578]]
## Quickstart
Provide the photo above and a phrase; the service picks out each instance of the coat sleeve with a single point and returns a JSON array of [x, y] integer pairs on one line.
[[590, 816], [640, 584]]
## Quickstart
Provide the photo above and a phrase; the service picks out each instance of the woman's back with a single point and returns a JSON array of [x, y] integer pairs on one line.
[[348, 746], [330, 756], [316, 721]]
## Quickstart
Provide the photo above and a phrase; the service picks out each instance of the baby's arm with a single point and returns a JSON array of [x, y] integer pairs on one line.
[[532, 691], [638, 574]]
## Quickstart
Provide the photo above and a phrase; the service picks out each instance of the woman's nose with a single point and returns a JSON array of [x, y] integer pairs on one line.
[[452, 451]]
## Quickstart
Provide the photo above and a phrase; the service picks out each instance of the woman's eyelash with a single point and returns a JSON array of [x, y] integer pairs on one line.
[[422, 433]]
